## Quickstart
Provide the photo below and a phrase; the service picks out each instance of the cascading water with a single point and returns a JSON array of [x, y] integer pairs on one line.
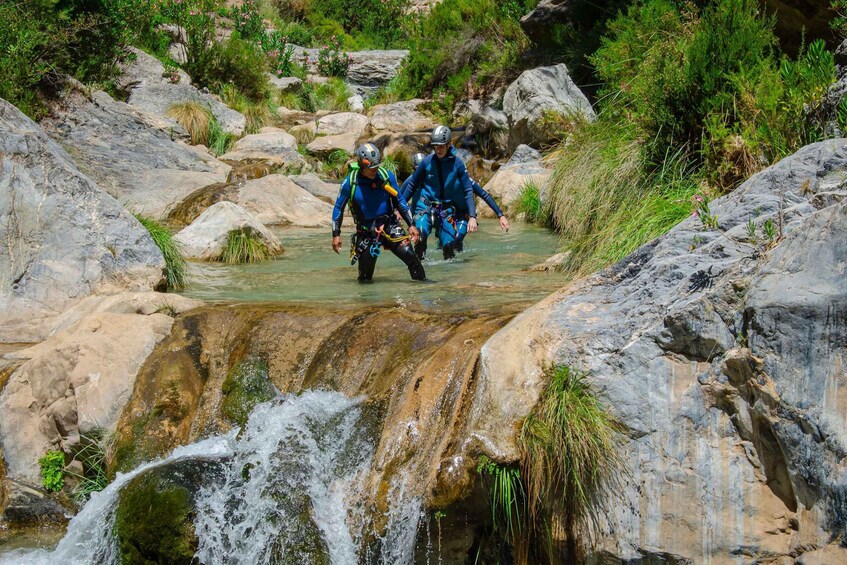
[[292, 490]]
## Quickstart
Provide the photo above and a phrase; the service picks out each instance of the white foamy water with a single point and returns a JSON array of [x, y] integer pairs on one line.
[[292, 485]]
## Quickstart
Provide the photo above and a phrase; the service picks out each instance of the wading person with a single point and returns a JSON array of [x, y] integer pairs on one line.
[[455, 217], [371, 193]]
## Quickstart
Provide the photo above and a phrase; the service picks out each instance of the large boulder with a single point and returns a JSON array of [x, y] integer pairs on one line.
[[78, 380], [130, 154], [342, 122], [277, 200], [401, 117], [722, 360], [271, 147], [536, 94], [140, 69], [368, 70], [158, 98], [546, 14], [63, 237], [523, 167], [323, 146], [206, 237], [315, 186]]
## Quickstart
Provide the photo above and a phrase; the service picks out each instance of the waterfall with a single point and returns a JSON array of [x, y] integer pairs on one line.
[[293, 486]]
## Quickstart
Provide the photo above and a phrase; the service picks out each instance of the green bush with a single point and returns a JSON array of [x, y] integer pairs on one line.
[[175, 266], [40, 39], [378, 23], [529, 204], [461, 45], [52, 471]]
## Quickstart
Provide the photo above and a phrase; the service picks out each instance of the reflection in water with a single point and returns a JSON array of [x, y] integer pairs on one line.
[[489, 273]]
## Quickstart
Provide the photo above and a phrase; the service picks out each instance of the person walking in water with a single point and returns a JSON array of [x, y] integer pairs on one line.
[[443, 181], [372, 195], [462, 223]]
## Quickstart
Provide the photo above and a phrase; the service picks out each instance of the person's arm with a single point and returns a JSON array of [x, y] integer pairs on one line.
[[487, 198], [467, 185], [338, 215], [406, 190]]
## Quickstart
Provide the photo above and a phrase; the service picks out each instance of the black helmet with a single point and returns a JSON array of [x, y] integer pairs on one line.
[[417, 159], [440, 136], [368, 156]]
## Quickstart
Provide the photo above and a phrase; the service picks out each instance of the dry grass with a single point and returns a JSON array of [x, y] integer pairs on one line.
[[195, 118]]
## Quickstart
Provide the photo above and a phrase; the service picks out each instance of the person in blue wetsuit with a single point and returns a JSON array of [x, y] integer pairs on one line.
[[444, 183], [462, 216], [371, 193]]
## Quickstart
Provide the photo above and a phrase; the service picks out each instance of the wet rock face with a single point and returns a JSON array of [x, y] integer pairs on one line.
[[63, 236], [724, 358]]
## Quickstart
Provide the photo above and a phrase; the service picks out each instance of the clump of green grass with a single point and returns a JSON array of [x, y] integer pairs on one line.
[[606, 200], [244, 246], [175, 265], [92, 454], [219, 141], [507, 498], [529, 203], [331, 95], [570, 454]]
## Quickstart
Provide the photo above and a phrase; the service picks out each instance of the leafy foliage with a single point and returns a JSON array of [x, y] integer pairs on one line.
[[52, 471], [175, 266]]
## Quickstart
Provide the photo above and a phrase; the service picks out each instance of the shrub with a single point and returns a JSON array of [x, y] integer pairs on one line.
[[52, 471], [378, 23], [175, 266], [244, 246], [461, 47], [570, 455], [332, 60]]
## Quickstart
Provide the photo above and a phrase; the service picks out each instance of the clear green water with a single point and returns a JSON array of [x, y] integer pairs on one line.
[[488, 274]]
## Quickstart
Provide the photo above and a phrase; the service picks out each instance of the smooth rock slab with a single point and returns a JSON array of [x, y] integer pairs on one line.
[[141, 69], [277, 200], [63, 236], [315, 186], [342, 122], [401, 117], [80, 378], [322, 146], [158, 98], [206, 237]]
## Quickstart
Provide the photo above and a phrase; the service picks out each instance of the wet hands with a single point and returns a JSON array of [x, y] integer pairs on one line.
[[414, 234], [504, 223], [336, 244], [472, 225]]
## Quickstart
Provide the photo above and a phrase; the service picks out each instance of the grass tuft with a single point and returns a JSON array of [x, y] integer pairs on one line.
[[175, 266], [570, 454], [244, 246], [92, 454], [529, 204], [194, 117]]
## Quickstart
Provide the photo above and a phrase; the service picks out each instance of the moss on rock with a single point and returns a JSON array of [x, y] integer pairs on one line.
[[246, 385], [154, 522]]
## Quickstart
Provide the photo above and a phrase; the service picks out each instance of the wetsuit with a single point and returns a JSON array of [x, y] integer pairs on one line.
[[456, 226], [372, 207]]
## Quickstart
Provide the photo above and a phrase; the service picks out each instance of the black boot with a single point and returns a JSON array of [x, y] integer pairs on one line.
[[449, 250], [420, 249]]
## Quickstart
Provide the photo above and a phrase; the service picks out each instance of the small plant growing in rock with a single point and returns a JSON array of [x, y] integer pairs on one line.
[[529, 203], [92, 454], [769, 228], [751, 230], [508, 499], [52, 471], [175, 266], [700, 205]]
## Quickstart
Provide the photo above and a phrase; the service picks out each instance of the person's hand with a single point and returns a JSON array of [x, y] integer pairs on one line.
[[504, 223], [414, 234], [472, 225], [336, 244]]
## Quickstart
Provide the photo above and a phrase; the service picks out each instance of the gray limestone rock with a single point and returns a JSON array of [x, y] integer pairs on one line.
[[313, 184], [723, 358], [524, 167], [141, 69], [206, 237], [401, 117], [128, 156], [537, 92], [285, 84], [63, 237], [158, 98]]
